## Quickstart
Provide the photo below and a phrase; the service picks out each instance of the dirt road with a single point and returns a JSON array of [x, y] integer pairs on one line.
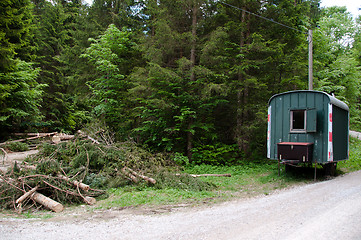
[[323, 210]]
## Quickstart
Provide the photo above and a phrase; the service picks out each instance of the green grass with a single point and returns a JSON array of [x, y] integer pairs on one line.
[[251, 178], [248, 179], [354, 161]]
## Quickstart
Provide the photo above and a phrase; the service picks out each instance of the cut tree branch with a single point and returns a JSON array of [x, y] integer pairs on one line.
[[26, 195], [148, 179], [75, 183]]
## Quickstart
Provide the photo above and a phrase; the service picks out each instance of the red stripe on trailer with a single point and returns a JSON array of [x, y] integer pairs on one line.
[[330, 117], [330, 136]]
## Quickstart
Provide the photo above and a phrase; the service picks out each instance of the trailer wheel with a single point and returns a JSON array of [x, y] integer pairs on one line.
[[330, 168]]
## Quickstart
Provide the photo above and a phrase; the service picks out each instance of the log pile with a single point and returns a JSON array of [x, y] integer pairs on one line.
[[53, 186], [66, 173]]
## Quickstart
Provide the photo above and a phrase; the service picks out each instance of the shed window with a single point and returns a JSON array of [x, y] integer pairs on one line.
[[298, 123]]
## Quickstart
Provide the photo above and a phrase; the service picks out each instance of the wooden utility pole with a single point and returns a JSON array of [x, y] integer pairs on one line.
[[310, 60]]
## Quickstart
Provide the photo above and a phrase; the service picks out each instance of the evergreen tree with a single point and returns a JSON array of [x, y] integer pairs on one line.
[[338, 70], [20, 94], [20, 99], [15, 26]]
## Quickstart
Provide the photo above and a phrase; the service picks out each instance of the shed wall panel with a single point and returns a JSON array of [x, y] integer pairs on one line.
[[305, 100]]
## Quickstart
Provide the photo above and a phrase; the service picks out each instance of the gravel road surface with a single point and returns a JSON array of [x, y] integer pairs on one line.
[[322, 210]]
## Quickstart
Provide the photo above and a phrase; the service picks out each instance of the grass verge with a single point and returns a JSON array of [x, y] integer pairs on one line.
[[248, 179]]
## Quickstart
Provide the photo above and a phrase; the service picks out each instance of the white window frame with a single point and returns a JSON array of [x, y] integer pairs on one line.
[[298, 130]]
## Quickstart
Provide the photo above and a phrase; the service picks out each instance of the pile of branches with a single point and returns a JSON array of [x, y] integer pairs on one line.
[[75, 171], [38, 191], [82, 168]]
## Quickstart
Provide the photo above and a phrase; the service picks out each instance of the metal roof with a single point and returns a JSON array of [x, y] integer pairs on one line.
[[333, 100]]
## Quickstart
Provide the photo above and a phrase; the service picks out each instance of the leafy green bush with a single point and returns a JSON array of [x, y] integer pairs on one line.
[[354, 161], [180, 159], [219, 154]]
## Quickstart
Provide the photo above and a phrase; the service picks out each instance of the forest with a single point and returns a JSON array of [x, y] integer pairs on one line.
[[187, 77]]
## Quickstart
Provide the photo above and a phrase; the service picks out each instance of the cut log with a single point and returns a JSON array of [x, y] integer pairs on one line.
[[61, 137], [128, 174], [82, 186], [211, 175], [26, 195], [29, 138], [47, 202], [148, 179], [90, 200]]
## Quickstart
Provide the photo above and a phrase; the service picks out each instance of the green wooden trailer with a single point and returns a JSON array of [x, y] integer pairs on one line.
[[308, 127]]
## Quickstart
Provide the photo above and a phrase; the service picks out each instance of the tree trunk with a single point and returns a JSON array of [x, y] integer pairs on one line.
[[29, 138], [190, 140], [192, 78], [47, 202], [194, 40], [242, 92]]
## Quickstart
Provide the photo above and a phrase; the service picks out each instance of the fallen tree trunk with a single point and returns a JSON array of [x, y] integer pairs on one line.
[[29, 138], [75, 183], [211, 175], [31, 134], [148, 179], [57, 138], [47, 202]]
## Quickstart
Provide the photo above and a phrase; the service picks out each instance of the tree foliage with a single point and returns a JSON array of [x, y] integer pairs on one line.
[[338, 69], [191, 77]]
